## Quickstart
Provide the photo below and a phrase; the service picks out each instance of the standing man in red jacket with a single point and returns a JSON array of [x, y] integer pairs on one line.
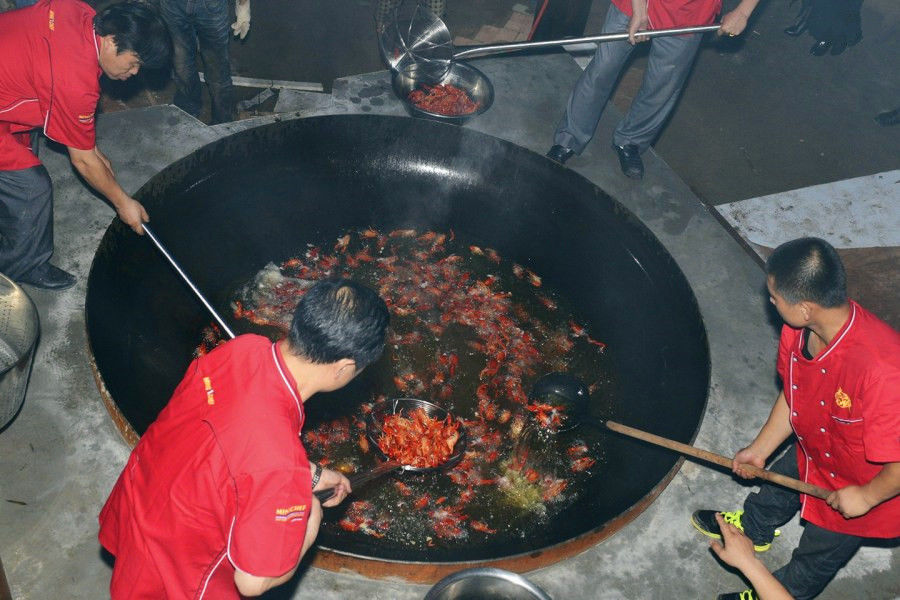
[[840, 370], [52, 55], [670, 62]]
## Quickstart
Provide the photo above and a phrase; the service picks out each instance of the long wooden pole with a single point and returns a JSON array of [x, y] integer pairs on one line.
[[782, 480]]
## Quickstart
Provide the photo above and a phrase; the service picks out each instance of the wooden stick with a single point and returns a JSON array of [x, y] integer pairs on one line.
[[782, 480]]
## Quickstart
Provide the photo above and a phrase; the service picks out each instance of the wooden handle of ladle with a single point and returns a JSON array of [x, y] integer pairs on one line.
[[783, 480]]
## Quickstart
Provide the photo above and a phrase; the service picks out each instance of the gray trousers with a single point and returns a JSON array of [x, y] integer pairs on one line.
[[26, 220], [667, 69]]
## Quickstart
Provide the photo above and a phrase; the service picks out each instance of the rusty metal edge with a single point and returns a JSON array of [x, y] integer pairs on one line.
[[128, 433]]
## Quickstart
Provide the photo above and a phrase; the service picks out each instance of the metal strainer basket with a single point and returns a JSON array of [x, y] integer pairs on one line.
[[19, 327], [416, 43]]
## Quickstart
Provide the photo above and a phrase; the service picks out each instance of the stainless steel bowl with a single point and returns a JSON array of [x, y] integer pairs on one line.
[[19, 327], [485, 583], [470, 79]]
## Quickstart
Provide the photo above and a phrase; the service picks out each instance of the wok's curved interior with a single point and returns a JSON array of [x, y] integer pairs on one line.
[[261, 194]]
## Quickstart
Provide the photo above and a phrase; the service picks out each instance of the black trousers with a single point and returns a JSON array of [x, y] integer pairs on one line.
[[26, 220], [820, 553]]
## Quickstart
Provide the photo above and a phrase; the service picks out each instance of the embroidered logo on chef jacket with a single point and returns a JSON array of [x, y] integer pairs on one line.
[[842, 399], [86, 118], [52, 21], [210, 392], [291, 513]]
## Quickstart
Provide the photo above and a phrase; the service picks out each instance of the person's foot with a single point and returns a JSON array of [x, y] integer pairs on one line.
[[705, 522], [799, 25], [820, 48], [630, 160], [888, 118], [48, 277], [838, 47], [745, 595], [560, 154]]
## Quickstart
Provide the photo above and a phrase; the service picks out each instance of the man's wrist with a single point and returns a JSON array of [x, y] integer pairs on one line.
[[316, 474]]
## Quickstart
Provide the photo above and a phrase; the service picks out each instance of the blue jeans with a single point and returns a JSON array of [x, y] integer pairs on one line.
[[203, 24], [667, 69], [820, 553]]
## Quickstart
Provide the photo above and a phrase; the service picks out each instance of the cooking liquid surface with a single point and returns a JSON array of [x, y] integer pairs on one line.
[[471, 332]]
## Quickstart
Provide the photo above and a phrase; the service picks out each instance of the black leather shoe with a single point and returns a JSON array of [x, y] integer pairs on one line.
[[820, 48], [48, 277], [800, 23], [630, 161], [560, 154], [838, 47]]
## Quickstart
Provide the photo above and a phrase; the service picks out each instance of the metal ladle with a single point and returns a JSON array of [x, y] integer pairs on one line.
[[570, 392], [418, 43]]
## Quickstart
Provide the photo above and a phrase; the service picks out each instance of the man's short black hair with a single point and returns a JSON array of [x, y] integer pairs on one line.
[[338, 319], [808, 269], [136, 26]]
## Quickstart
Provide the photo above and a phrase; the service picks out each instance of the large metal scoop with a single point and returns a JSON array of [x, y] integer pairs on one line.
[[417, 43], [399, 406], [561, 389]]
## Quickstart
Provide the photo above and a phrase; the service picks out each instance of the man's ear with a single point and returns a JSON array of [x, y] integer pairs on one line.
[[345, 366], [806, 309]]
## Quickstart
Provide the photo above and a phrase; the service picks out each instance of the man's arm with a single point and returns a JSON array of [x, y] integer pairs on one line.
[[734, 22], [773, 433], [736, 549], [251, 585], [638, 22], [857, 500], [96, 170]]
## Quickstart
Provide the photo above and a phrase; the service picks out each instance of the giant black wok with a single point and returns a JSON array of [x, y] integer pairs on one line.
[[260, 195]]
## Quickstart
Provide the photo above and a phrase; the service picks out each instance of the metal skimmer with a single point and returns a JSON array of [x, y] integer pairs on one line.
[[418, 44]]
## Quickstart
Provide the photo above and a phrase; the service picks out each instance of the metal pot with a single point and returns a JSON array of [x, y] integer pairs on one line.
[[18, 338], [485, 584]]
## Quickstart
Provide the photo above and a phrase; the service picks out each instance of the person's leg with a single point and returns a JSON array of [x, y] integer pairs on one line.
[[772, 505], [816, 560], [26, 220], [184, 56], [670, 62], [591, 92], [214, 33], [384, 12]]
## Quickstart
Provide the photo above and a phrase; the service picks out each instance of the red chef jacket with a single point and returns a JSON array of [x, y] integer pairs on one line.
[[49, 77], [845, 411], [220, 480], [668, 14]]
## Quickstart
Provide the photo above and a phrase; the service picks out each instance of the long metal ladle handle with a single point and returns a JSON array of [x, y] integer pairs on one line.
[[606, 37], [783, 480], [188, 281]]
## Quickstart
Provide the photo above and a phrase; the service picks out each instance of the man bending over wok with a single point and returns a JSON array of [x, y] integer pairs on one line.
[[217, 498]]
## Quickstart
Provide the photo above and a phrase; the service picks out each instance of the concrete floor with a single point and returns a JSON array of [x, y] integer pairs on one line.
[[62, 453]]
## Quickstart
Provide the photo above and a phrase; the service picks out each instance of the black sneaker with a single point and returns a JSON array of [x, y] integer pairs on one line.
[[560, 154], [745, 595], [630, 160], [48, 277], [705, 522]]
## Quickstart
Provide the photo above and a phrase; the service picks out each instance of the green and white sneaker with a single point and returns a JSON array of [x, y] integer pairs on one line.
[[705, 522], [745, 595]]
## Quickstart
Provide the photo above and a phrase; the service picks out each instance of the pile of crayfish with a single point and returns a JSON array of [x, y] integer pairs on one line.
[[418, 440], [444, 99]]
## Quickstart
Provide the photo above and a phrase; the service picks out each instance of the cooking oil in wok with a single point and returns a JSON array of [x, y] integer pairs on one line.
[[470, 331]]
